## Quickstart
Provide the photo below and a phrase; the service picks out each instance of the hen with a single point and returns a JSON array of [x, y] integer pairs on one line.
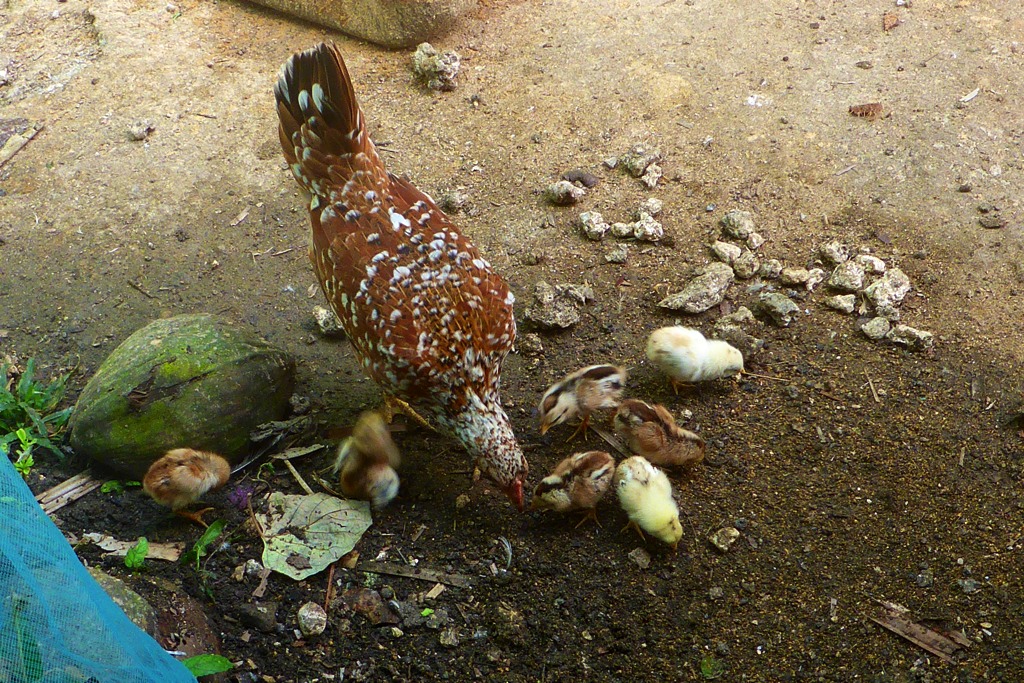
[[429, 319]]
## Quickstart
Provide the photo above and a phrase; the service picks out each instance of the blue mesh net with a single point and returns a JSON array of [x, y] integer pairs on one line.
[[56, 623]]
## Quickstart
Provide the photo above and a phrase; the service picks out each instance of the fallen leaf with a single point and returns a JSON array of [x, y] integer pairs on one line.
[[890, 20], [157, 551], [871, 110], [303, 535]]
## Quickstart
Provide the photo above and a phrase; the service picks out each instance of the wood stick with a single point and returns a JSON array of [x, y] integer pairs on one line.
[[774, 379]]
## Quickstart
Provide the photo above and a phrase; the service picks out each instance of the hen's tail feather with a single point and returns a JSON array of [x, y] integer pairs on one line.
[[321, 129]]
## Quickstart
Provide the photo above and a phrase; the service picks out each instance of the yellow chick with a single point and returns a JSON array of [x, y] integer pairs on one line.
[[685, 355], [182, 476], [651, 431], [581, 393], [577, 483], [645, 493], [367, 461]]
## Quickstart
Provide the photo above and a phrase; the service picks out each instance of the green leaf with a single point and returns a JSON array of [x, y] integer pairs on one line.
[[205, 665], [112, 486], [136, 555], [711, 668], [211, 534], [426, 612]]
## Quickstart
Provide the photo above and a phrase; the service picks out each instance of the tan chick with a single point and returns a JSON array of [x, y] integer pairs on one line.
[[595, 387], [645, 493], [651, 431], [577, 483], [686, 356], [184, 475], [367, 460]]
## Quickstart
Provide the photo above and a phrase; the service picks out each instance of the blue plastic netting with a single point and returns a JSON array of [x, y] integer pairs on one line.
[[56, 623]]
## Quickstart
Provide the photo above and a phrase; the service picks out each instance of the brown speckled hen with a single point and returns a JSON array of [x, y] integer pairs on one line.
[[430, 320]]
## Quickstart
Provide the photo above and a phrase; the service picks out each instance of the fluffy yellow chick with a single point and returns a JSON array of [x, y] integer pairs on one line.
[[651, 431], [577, 483], [367, 461], [581, 393], [685, 355], [645, 493], [182, 476]]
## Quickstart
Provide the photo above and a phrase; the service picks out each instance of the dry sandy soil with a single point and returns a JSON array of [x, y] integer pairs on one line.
[[843, 498]]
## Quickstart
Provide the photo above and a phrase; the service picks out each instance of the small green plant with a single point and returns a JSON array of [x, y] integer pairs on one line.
[[266, 469], [199, 550], [115, 486], [711, 668], [25, 461], [426, 612], [206, 665], [27, 413], [135, 558]]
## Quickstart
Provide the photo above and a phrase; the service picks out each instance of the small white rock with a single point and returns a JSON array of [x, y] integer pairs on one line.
[[910, 336], [738, 224], [842, 302], [622, 229], [848, 276], [646, 229], [755, 240], [794, 276], [876, 328], [726, 252], [815, 277], [328, 323], [834, 252], [652, 206], [770, 269], [871, 264], [723, 539], [312, 619], [594, 226], [746, 265]]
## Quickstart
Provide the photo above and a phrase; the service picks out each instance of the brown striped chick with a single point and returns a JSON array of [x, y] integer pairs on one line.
[[577, 483], [581, 393], [645, 493], [367, 460], [651, 431], [182, 476], [686, 356]]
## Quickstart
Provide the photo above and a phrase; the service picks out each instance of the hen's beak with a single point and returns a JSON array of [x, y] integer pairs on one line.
[[515, 494]]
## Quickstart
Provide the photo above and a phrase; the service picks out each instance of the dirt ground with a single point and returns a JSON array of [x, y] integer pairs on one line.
[[842, 497]]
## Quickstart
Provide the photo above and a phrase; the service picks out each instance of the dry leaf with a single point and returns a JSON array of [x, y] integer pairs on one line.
[[890, 20]]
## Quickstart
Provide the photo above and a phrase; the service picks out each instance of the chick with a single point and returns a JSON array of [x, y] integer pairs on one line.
[[581, 393], [577, 483], [652, 432], [686, 356], [182, 476], [645, 493], [367, 462]]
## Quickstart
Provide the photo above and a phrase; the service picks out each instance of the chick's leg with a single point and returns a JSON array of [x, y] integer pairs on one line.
[[584, 423], [196, 516], [635, 526], [591, 515]]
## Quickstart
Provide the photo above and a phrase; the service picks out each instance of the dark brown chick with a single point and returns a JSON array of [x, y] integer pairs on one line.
[[577, 483], [652, 432], [182, 476], [592, 388], [367, 461]]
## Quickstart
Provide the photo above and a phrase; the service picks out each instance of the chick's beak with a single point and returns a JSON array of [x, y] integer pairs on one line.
[[544, 428], [515, 494]]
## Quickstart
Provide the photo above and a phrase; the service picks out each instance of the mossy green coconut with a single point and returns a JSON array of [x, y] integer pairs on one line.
[[193, 381]]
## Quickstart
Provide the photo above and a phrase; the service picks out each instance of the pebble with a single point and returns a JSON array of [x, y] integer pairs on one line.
[[969, 586], [563, 193], [964, 187], [723, 539], [815, 276], [842, 302], [640, 557], [848, 276], [770, 269], [449, 638], [726, 252], [453, 201], [578, 175], [637, 160], [911, 337], [368, 603], [716, 593], [557, 307], [611, 162], [651, 176], [755, 240], [617, 255], [779, 307], [651, 205], [738, 224], [327, 322], [876, 328], [834, 252], [992, 222], [747, 265], [530, 344], [794, 276], [887, 292], [140, 130], [702, 292], [622, 229], [312, 619], [594, 225], [646, 229], [871, 264], [436, 69], [261, 617]]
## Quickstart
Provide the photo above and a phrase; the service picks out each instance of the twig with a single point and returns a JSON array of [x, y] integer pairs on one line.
[[137, 286], [76, 487], [846, 170], [298, 477], [420, 573], [871, 384], [283, 251], [14, 143], [774, 379], [204, 115], [330, 588]]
